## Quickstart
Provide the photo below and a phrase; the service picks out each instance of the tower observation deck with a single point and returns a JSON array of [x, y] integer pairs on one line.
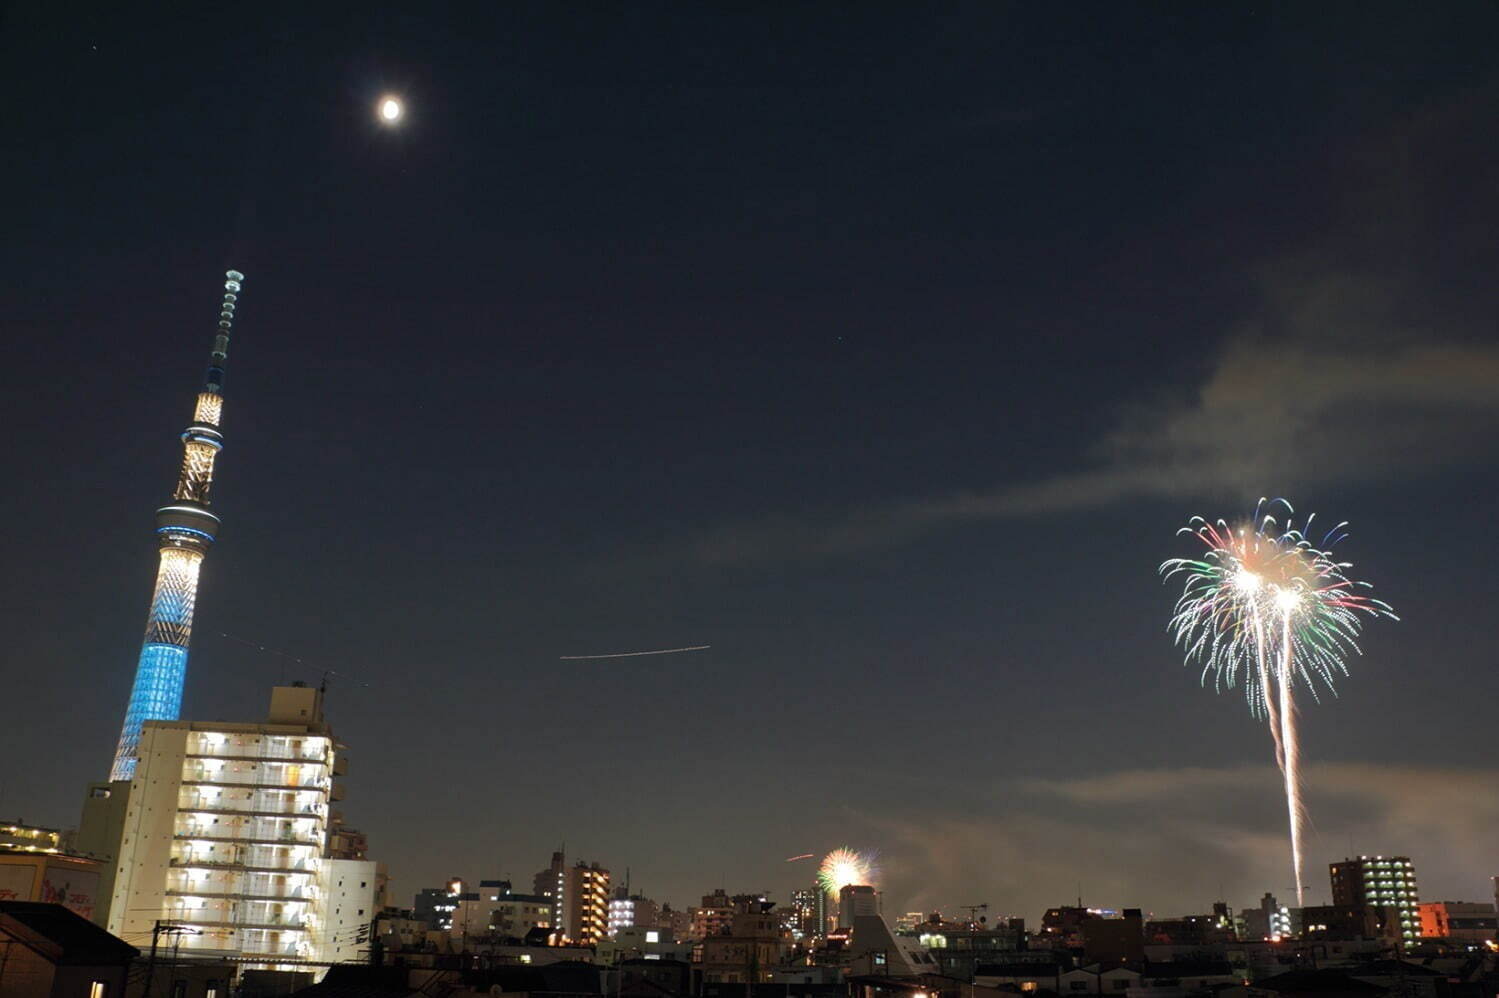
[[185, 530]]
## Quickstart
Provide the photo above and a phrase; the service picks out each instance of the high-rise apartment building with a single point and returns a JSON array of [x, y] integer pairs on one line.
[[806, 907], [226, 834], [551, 884], [626, 911], [824, 910], [1380, 882], [587, 903]]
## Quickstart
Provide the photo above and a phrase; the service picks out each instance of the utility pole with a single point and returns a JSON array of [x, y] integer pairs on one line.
[[177, 931], [151, 960]]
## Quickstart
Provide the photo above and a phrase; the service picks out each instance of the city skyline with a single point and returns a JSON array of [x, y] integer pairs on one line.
[[836, 344]]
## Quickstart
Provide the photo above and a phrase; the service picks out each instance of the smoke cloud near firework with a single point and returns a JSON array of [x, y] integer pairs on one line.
[[1264, 608]]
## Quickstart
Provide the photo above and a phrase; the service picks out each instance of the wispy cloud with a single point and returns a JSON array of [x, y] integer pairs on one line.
[[1308, 405]]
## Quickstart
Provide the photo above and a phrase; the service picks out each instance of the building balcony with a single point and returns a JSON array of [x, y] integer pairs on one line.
[[243, 756], [313, 815], [201, 778], [289, 955], [258, 829], [188, 863], [281, 841], [240, 896]]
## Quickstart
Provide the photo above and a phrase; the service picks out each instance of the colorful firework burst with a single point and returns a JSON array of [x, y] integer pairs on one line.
[[843, 867], [1264, 608]]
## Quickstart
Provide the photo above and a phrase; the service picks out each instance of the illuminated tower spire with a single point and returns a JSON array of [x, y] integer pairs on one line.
[[185, 529]]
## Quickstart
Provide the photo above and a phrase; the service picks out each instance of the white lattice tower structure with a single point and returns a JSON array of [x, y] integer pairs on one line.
[[185, 530]]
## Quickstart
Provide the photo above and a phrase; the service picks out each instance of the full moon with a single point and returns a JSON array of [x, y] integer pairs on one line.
[[391, 110]]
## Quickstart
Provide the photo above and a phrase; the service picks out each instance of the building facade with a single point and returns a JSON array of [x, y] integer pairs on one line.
[[711, 918], [354, 890], [1380, 881], [748, 953], [628, 911], [551, 883], [52, 878], [225, 833], [18, 836], [1462, 921], [855, 900], [1269, 922], [587, 903]]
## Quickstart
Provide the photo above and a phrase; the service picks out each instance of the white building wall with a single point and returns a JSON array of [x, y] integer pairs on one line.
[[146, 845], [348, 908]]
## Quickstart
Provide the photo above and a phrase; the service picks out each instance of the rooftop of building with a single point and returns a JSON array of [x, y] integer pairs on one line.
[[1187, 968], [1394, 968], [20, 827], [1032, 968], [49, 855], [243, 728], [1330, 982]]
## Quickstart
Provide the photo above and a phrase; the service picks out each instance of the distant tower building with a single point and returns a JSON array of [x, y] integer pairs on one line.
[[855, 900], [1382, 882], [1271, 920], [820, 908], [587, 903], [627, 911], [185, 530], [711, 918], [552, 883], [804, 903]]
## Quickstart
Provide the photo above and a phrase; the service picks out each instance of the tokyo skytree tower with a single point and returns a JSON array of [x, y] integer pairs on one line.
[[185, 530]]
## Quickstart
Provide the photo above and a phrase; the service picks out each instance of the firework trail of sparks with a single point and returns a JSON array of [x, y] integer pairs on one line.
[[1265, 608], [805, 855], [843, 867]]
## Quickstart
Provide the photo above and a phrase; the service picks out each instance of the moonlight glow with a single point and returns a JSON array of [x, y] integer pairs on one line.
[[391, 110], [1265, 608]]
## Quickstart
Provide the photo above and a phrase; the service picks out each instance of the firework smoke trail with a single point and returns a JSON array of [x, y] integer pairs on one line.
[[1254, 577], [1288, 745]]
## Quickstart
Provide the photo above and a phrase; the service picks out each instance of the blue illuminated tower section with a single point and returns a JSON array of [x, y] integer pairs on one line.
[[185, 530]]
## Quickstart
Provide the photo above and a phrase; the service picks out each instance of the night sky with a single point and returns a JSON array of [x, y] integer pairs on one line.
[[884, 351]]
